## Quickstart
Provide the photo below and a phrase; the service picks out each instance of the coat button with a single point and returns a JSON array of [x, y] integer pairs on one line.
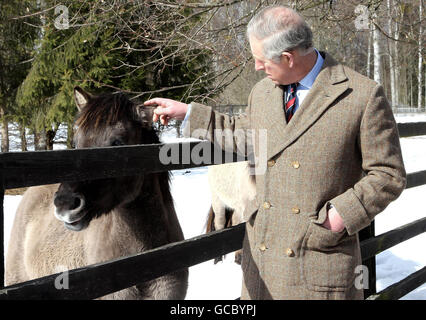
[[295, 164], [295, 210], [271, 163], [266, 205], [289, 252], [262, 247]]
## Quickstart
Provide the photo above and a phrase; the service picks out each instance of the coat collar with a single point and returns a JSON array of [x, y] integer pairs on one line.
[[330, 84]]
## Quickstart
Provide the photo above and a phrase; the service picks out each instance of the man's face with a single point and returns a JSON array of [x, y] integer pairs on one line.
[[278, 72]]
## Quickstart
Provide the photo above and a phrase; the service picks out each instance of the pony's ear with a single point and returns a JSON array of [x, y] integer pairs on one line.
[[144, 114], [81, 98]]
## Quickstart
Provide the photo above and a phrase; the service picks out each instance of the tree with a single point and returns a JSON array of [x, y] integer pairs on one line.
[[16, 43], [115, 46], [197, 50]]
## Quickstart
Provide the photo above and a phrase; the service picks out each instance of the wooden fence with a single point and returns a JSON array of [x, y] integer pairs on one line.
[[45, 167]]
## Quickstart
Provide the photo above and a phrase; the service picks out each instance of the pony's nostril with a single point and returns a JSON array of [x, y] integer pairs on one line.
[[76, 203]]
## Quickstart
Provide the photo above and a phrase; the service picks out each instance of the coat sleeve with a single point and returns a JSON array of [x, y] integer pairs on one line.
[[230, 133], [382, 163]]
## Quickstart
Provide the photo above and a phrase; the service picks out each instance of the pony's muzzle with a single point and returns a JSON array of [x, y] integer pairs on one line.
[[69, 207]]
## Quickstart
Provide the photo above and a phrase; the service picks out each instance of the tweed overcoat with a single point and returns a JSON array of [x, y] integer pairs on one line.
[[340, 147]]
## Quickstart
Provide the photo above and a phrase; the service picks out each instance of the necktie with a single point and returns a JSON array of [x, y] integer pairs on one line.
[[290, 103]]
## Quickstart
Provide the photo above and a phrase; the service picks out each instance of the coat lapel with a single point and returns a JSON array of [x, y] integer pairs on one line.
[[330, 85], [273, 118]]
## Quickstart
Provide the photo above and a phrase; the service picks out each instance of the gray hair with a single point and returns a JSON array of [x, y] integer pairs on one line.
[[280, 29]]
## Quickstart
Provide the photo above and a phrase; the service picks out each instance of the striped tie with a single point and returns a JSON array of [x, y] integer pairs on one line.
[[291, 102]]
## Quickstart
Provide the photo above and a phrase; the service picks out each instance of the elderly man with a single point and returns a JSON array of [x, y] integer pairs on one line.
[[333, 163]]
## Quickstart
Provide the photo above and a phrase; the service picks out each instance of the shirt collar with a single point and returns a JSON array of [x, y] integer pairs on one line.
[[309, 79]]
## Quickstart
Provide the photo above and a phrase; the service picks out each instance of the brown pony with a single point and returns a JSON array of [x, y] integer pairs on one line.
[[71, 225]]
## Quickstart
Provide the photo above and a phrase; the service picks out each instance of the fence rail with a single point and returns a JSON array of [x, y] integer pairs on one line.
[[45, 167], [100, 279], [401, 288], [24, 169]]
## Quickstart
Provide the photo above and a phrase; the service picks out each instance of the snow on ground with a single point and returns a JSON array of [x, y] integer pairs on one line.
[[223, 281], [410, 117]]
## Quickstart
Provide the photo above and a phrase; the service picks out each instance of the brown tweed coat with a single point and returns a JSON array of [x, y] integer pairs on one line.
[[341, 147]]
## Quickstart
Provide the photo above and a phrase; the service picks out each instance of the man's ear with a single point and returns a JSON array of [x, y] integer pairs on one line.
[[81, 98], [288, 57], [144, 114]]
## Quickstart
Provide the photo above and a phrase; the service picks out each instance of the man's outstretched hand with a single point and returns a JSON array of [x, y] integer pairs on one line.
[[167, 109]]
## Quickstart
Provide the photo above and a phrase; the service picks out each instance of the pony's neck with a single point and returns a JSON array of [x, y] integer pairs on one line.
[[146, 215]]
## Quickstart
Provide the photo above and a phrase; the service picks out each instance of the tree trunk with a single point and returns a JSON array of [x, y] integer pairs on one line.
[[22, 135], [397, 64], [36, 135], [70, 136], [50, 136], [377, 55], [4, 131], [391, 56], [370, 35], [403, 77], [411, 90], [39, 140]]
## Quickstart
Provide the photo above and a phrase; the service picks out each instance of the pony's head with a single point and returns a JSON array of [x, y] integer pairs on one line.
[[103, 120]]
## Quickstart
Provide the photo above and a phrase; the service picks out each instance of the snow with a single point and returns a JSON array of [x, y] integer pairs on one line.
[[223, 281]]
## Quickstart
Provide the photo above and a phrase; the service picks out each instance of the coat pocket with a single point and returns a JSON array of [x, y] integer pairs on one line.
[[328, 259]]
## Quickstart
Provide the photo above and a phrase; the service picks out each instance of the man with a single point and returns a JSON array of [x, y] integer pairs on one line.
[[333, 162]]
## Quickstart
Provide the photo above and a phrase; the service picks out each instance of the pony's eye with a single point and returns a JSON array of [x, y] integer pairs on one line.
[[117, 142]]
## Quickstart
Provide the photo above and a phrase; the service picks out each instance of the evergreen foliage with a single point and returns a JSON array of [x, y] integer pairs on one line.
[[104, 50], [16, 51]]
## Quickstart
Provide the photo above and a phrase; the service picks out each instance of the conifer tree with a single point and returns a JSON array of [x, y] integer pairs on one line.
[[16, 45], [99, 52]]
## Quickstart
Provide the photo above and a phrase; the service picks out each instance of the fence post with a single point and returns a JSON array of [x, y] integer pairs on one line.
[[370, 263], [2, 249]]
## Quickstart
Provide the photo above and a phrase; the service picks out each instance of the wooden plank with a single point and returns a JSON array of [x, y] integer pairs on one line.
[[411, 129], [23, 169], [369, 262], [373, 246], [401, 288], [2, 248], [104, 278], [416, 179]]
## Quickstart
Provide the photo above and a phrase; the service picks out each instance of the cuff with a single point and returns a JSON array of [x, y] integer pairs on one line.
[[352, 211], [198, 121], [185, 120], [322, 214]]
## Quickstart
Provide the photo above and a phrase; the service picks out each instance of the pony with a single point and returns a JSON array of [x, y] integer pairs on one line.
[[232, 187], [74, 224]]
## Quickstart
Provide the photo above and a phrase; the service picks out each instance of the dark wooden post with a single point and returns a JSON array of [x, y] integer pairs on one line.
[[370, 263], [1, 231]]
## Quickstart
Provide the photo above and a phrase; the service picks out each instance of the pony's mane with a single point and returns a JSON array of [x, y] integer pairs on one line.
[[105, 110]]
